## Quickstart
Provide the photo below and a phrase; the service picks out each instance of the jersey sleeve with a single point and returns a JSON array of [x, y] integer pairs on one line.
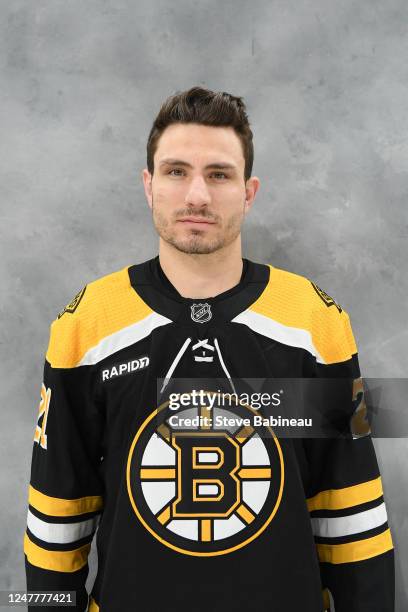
[[345, 494], [65, 497]]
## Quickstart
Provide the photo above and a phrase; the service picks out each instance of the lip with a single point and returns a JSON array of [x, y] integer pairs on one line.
[[196, 221]]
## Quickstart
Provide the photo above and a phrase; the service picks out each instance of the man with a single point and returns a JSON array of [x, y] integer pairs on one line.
[[195, 515]]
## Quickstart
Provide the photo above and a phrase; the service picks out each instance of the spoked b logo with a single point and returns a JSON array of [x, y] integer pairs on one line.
[[204, 489]]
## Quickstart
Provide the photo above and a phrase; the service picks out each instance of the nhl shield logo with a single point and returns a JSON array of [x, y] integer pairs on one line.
[[201, 313]]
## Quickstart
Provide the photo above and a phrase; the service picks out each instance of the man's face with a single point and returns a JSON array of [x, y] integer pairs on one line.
[[198, 193]]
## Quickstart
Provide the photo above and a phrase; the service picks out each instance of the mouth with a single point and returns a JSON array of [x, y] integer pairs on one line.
[[192, 221]]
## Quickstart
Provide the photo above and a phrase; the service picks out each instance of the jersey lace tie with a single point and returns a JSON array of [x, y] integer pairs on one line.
[[203, 344]]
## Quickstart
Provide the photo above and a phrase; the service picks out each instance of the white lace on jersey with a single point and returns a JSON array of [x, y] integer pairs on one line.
[[203, 344]]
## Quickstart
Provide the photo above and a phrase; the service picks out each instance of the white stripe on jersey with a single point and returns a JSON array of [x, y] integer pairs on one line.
[[60, 533], [123, 338], [292, 336], [335, 527]]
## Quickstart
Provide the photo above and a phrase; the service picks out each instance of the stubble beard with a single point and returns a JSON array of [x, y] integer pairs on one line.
[[197, 242]]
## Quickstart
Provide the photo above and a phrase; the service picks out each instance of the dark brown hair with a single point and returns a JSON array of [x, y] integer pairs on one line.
[[198, 105]]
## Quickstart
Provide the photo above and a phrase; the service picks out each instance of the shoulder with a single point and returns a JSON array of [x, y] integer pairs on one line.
[[300, 290], [90, 297], [298, 303], [102, 307]]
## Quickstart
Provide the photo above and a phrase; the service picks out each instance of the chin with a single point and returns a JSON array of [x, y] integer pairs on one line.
[[197, 247]]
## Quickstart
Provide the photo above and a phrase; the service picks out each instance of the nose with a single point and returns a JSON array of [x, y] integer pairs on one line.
[[198, 194]]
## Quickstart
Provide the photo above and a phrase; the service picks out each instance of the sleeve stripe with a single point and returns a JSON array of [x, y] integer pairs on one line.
[[355, 551], [336, 499], [124, 337], [348, 525], [61, 533], [263, 324], [58, 561], [55, 506]]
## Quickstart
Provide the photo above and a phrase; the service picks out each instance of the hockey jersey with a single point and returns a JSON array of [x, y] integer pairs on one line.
[[198, 514]]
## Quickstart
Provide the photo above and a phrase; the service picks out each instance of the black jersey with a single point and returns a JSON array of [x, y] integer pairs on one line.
[[199, 507]]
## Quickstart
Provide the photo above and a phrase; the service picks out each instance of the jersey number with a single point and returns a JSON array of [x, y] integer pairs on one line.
[[360, 425], [40, 436]]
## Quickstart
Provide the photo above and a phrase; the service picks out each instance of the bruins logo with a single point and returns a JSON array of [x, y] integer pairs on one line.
[[203, 489], [329, 301], [73, 305]]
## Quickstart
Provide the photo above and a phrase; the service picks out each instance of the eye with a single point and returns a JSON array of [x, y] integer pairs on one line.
[[219, 175], [175, 170]]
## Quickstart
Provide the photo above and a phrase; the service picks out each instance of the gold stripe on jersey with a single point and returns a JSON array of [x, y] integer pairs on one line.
[[290, 300], [158, 473], [56, 560], [355, 551], [164, 515], [248, 473], [93, 606], [205, 530], [55, 506], [244, 513], [108, 305], [338, 499]]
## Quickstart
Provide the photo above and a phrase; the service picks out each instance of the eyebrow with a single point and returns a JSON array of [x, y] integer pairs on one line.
[[169, 161]]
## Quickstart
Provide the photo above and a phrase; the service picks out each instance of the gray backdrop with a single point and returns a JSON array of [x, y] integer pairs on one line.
[[326, 89]]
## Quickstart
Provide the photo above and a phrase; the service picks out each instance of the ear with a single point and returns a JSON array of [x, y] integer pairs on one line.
[[251, 187], [147, 184]]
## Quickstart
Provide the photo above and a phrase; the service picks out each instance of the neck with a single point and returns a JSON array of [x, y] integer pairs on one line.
[[202, 276]]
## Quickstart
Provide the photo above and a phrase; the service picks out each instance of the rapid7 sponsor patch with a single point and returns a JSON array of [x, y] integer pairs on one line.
[[127, 367]]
